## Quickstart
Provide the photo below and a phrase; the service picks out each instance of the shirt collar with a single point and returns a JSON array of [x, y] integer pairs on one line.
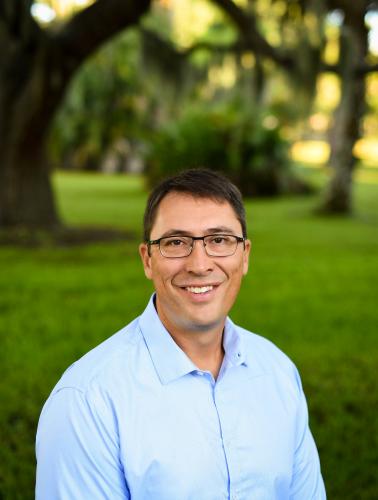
[[169, 360], [233, 345]]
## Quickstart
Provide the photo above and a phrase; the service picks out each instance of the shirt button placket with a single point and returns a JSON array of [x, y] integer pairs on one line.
[[221, 409]]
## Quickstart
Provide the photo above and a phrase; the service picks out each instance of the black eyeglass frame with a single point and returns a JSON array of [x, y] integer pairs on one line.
[[239, 239]]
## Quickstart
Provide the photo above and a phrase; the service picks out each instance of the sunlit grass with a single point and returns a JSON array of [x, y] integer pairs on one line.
[[366, 176]]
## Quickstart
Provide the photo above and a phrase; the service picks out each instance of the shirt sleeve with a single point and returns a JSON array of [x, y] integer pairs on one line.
[[77, 449], [307, 481]]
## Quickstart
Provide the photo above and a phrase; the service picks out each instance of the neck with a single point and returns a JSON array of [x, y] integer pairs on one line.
[[203, 346], [205, 349]]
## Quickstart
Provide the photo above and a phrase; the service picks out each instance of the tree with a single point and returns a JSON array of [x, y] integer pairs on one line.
[[36, 65], [347, 118], [304, 62]]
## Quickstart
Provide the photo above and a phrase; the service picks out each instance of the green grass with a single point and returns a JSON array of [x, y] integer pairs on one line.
[[310, 289]]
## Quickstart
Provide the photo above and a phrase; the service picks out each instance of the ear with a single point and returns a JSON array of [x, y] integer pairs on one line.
[[246, 253], [146, 260]]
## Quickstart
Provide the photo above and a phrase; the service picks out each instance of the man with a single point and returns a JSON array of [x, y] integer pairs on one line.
[[182, 404]]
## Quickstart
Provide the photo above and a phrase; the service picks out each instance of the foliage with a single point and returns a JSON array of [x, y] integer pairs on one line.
[[142, 81], [309, 290], [102, 107], [248, 147]]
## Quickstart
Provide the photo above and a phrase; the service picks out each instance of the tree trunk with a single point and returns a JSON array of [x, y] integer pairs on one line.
[[346, 128], [26, 111], [26, 197], [35, 68]]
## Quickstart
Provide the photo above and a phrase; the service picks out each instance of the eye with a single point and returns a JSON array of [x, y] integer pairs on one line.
[[220, 239], [172, 242]]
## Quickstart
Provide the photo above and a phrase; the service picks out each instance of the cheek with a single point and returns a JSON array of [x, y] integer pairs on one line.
[[236, 270], [237, 276], [163, 272]]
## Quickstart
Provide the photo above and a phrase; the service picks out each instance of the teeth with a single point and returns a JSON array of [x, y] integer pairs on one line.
[[199, 289]]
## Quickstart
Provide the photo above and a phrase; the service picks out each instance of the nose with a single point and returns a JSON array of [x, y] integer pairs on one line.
[[198, 262]]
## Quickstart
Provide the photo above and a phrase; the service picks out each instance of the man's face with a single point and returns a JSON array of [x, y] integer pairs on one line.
[[179, 307]]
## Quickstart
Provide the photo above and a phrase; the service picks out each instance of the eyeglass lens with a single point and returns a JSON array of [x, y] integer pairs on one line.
[[217, 245]]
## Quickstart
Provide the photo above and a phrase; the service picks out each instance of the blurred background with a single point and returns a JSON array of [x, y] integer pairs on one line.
[[99, 100]]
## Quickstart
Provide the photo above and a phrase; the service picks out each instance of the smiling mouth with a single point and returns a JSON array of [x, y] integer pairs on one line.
[[199, 289]]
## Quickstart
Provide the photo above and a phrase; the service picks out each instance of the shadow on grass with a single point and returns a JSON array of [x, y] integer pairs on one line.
[[63, 236]]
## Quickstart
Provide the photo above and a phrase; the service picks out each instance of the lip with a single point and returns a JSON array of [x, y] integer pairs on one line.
[[185, 284], [199, 285], [199, 297]]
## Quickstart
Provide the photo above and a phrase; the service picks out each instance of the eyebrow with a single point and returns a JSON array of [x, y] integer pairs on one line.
[[210, 230]]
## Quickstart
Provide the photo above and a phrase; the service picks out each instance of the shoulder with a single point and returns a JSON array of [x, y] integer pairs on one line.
[[267, 357], [108, 360], [257, 344]]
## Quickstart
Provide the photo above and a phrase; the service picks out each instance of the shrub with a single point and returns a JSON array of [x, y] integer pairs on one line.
[[249, 150]]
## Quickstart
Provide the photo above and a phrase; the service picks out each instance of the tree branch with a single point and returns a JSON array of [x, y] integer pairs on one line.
[[238, 46], [215, 47], [164, 46], [254, 41], [88, 29], [16, 22], [365, 69]]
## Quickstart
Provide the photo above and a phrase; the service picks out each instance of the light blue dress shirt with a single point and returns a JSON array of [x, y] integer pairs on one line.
[[135, 418]]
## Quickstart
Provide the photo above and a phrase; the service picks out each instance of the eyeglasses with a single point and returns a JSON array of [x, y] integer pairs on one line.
[[216, 245]]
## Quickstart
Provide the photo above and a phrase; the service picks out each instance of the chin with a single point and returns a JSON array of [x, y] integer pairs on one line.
[[199, 325]]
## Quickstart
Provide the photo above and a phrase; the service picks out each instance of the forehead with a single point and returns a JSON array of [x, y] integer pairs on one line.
[[193, 214]]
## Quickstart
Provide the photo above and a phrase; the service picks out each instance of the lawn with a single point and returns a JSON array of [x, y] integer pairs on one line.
[[310, 290]]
